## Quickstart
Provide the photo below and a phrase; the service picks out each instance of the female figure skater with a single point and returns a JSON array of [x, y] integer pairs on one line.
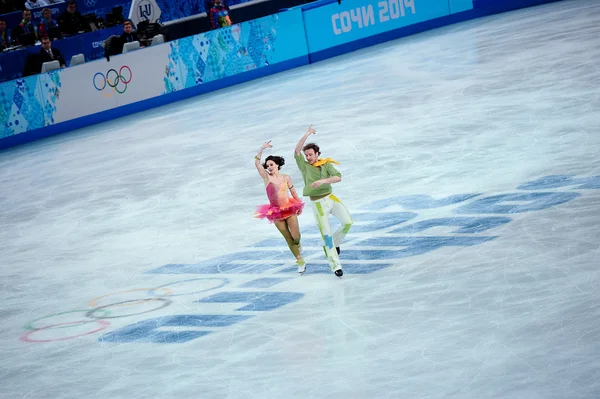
[[281, 210]]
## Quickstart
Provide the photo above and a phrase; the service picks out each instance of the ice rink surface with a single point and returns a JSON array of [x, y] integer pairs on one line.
[[132, 267]]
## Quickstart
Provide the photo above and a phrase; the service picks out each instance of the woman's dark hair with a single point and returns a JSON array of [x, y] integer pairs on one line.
[[278, 160], [312, 146]]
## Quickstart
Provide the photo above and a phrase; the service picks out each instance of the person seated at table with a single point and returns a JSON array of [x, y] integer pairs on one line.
[[71, 22], [47, 53], [4, 36], [25, 27], [46, 23], [29, 4], [129, 35]]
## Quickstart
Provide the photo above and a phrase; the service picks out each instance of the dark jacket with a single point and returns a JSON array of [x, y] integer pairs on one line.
[[128, 38], [71, 24], [112, 46], [45, 57], [22, 29], [4, 40]]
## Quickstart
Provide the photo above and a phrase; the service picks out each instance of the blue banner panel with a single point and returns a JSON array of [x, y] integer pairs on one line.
[[460, 5], [334, 24], [88, 44]]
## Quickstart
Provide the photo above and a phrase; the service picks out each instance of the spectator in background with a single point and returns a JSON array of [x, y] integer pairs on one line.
[[29, 4], [4, 36], [8, 6], [71, 22], [47, 53], [219, 15], [25, 27], [46, 23], [128, 35]]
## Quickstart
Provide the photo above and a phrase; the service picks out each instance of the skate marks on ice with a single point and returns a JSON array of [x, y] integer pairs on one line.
[[385, 232]]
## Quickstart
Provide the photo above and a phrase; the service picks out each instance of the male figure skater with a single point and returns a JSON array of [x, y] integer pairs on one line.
[[318, 175]]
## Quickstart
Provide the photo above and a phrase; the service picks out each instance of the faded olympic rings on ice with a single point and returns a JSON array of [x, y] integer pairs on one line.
[[165, 303], [98, 314], [94, 302], [30, 325], [27, 336], [224, 282]]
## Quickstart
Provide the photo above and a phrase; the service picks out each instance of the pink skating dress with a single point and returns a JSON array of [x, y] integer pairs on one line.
[[280, 206]]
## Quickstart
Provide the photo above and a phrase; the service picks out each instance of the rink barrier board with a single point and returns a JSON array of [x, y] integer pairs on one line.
[[490, 7], [391, 35], [59, 101], [482, 8], [145, 105], [336, 24]]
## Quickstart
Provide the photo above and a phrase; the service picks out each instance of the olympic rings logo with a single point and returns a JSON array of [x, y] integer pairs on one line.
[[97, 317], [113, 81]]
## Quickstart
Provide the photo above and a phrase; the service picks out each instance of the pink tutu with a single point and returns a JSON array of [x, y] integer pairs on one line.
[[274, 213]]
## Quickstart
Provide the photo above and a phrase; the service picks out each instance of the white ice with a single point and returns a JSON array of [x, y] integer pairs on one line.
[[478, 107]]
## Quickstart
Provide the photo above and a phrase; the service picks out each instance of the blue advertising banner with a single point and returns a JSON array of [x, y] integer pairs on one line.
[[90, 6], [240, 48], [241, 51], [88, 44], [460, 5], [91, 43], [335, 24]]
